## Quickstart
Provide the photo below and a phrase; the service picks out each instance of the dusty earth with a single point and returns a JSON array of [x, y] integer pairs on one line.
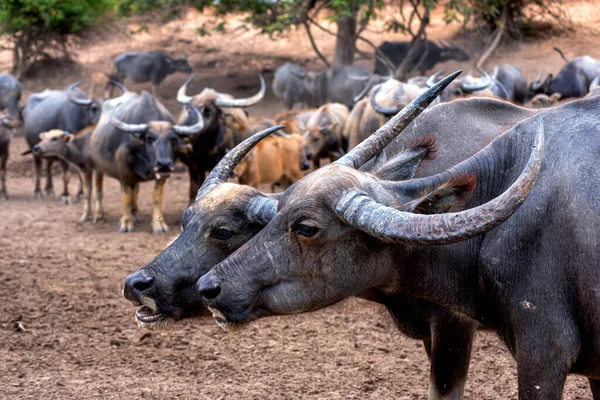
[[66, 332]]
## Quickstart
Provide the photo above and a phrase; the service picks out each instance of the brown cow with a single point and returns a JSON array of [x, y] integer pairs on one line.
[[276, 159]]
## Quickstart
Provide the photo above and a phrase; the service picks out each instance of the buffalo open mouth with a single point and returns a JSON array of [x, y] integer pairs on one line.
[[150, 318], [220, 319]]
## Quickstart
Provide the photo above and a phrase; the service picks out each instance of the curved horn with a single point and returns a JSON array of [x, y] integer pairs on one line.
[[470, 88], [190, 130], [261, 210], [595, 83], [119, 85], [76, 100], [388, 111], [182, 97], [433, 78], [129, 128], [391, 225], [495, 72], [374, 144], [360, 77], [225, 167], [367, 87], [247, 102]]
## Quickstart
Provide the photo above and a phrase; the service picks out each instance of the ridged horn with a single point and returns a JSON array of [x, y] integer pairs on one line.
[[261, 210], [129, 128], [190, 130], [388, 111], [76, 100], [374, 144], [391, 225], [225, 167], [182, 96], [246, 102]]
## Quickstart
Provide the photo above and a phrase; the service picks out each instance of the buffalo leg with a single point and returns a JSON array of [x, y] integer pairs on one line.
[[37, 191], [136, 210], [126, 222], [544, 355], [158, 222], [49, 189], [97, 185], [450, 353], [87, 197], [80, 190], [65, 197], [3, 161]]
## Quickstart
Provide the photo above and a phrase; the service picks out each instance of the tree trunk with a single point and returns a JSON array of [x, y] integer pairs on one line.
[[345, 44]]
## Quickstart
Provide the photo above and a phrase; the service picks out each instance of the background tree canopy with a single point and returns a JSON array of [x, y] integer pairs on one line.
[[32, 28]]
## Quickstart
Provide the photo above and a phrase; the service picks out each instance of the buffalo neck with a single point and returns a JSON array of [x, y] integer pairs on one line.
[[75, 151]]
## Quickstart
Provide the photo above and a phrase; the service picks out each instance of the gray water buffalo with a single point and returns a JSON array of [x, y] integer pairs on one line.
[[69, 110], [522, 257], [136, 141], [7, 124], [153, 66], [225, 124], [397, 51], [573, 80], [10, 95], [165, 285], [294, 84], [511, 81]]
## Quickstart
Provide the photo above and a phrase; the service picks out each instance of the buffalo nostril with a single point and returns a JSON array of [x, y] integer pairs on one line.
[[207, 288], [143, 284]]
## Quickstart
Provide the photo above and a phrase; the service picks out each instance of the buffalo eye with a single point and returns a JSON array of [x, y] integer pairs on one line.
[[304, 230], [150, 139], [221, 234], [205, 111]]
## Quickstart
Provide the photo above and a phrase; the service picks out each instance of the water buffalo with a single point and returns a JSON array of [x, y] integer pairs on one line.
[[136, 141], [511, 82], [293, 84], [74, 149], [533, 278], [225, 125], [69, 110], [10, 95], [7, 124], [166, 284], [324, 133], [152, 66], [397, 51], [573, 80]]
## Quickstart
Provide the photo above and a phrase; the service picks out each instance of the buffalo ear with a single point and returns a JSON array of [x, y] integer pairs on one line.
[[449, 196], [68, 137]]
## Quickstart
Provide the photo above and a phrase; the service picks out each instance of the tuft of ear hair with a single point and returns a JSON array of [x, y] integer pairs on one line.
[[449, 196], [428, 143]]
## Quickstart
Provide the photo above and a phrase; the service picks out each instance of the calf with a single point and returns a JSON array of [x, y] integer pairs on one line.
[[6, 126], [324, 133], [276, 159], [74, 149]]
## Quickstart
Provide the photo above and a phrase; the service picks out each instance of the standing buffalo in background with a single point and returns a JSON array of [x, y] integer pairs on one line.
[[573, 80], [68, 110], [7, 124], [397, 51], [467, 86], [324, 133], [225, 124], [152, 66], [136, 141], [293, 84], [10, 95]]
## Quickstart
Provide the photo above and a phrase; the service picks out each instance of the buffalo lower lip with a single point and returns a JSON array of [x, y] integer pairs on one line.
[[147, 315]]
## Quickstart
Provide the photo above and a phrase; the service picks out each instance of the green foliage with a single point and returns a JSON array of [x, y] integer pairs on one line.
[[61, 17]]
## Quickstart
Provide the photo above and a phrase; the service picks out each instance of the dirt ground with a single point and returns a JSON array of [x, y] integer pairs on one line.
[[67, 333]]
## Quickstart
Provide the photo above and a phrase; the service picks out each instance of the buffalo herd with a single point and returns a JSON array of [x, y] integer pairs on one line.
[[458, 202]]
